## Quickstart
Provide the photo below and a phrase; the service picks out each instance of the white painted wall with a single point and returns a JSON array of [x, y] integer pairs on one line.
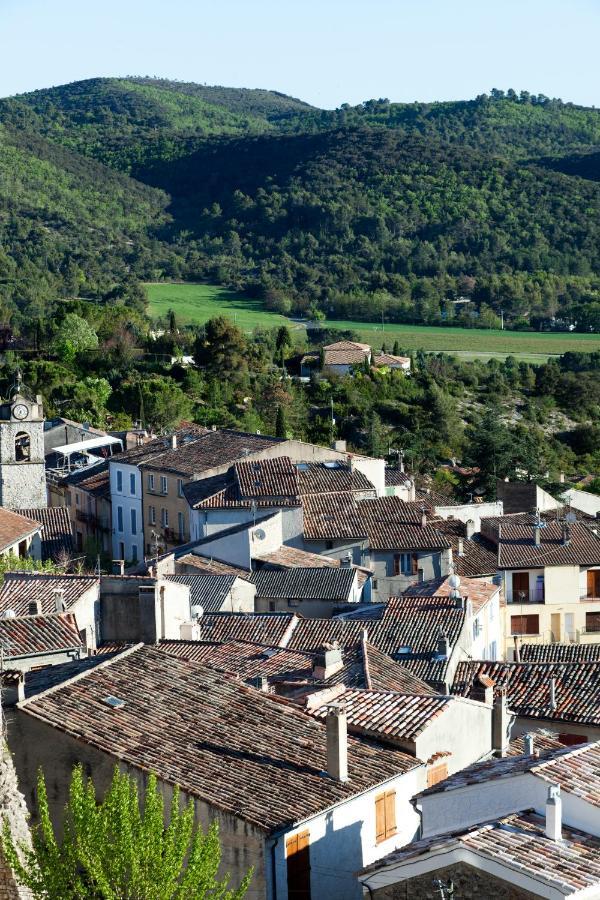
[[473, 512], [582, 500], [342, 840], [464, 729], [126, 500]]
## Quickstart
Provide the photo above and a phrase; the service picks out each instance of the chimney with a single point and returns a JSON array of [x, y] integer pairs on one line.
[[173, 442], [461, 547], [517, 650], [469, 529], [500, 724], [537, 533], [553, 703], [261, 682], [443, 645], [528, 744], [346, 561], [327, 661], [59, 600], [483, 690], [566, 534], [553, 828], [340, 446], [337, 742], [423, 517], [34, 608]]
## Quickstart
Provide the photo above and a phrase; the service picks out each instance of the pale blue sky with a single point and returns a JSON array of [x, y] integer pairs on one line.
[[325, 51]]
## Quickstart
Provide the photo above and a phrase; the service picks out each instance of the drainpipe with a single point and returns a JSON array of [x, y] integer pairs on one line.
[[274, 869]]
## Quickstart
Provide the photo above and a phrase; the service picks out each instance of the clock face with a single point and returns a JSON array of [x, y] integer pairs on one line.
[[20, 411]]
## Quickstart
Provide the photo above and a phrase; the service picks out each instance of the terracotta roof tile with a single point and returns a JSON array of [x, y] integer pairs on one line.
[[256, 757], [208, 450], [208, 591], [332, 516], [212, 566], [527, 685], [19, 589], [560, 545], [57, 534], [28, 635], [568, 653], [317, 583], [15, 527], [266, 478], [478, 592], [263, 628], [331, 477]]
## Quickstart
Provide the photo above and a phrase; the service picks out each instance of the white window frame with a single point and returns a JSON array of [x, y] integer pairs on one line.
[[119, 481], [164, 485]]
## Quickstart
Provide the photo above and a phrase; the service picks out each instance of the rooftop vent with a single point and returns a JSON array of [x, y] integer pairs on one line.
[[8, 614], [113, 702], [332, 464], [302, 467]]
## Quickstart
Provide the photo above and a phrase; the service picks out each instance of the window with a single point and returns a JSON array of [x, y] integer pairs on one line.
[[119, 481], [524, 624], [180, 487], [134, 553], [164, 517], [520, 587], [68, 498], [133, 514], [437, 773], [297, 851], [593, 582], [22, 447], [570, 740], [476, 629], [76, 499], [150, 482], [163, 484], [119, 518], [493, 651], [385, 816], [592, 622], [121, 550], [79, 541], [180, 525], [405, 564], [132, 483], [152, 515]]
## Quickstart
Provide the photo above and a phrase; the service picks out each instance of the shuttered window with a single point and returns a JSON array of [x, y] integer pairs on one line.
[[524, 624], [385, 816], [297, 851], [435, 774]]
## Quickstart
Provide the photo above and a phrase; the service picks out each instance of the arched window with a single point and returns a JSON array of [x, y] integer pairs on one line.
[[22, 447]]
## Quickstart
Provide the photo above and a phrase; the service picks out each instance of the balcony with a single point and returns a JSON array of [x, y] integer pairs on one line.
[[537, 595]]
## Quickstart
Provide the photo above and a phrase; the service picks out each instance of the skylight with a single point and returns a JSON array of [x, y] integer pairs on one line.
[[113, 702], [332, 464]]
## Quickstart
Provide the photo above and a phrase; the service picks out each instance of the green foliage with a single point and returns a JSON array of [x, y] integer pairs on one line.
[[13, 563], [74, 336], [119, 849]]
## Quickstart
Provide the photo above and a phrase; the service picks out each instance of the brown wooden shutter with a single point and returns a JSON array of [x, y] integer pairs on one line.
[[390, 813], [435, 774], [291, 845], [396, 564], [415, 564], [297, 849], [380, 818]]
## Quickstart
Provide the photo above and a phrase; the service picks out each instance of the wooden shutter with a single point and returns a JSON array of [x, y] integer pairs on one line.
[[297, 851], [396, 564], [436, 774], [390, 813], [380, 818], [520, 585], [414, 564], [525, 624], [593, 582]]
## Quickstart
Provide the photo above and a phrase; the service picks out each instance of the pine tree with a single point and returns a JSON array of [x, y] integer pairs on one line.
[[281, 428], [119, 850]]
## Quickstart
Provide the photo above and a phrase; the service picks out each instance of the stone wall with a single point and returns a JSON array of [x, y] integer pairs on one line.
[[13, 810], [469, 884]]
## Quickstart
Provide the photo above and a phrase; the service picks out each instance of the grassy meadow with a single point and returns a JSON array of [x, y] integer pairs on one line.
[[196, 303]]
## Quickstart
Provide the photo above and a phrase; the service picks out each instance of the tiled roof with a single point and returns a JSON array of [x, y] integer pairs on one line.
[[15, 527], [384, 674], [247, 659], [392, 524], [245, 752], [290, 557], [40, 680], [472, 557], [145, 452], [394, 475], [542, 740], [517, 548], [388, 715], [332, 516], [19, 589], [478, 592], [263, 628], [212, 566], [331, 478], [347, 345], [94, 480], [311, 634], [28, 635], [209, 450], [207, 591], [266, 478], [519, 842], [569, 653], [575, 769], [527, 685], [57, 534], [388, 359], [305, 583]]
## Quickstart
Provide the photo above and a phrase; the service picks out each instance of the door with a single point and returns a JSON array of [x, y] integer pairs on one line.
[[593, 583], [555, 626], [520, 587], [297, 851], [569, 626]]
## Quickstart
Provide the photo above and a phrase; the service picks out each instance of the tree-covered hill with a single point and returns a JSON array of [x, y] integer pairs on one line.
[[69, 226], [330, 217], [380, 206]]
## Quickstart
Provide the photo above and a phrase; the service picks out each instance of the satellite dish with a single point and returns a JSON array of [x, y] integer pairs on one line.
[[570, 518], [454, 581], [9, 614], [197, 612], [259, 534]]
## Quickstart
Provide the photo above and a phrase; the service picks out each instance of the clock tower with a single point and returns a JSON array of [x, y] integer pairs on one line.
[[22, 465]]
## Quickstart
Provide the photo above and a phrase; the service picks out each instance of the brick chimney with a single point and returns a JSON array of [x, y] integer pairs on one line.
[[553, 829], [337, 742], [34, 608], [443, 645]]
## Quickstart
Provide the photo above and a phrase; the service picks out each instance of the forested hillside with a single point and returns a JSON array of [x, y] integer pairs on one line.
[[385, 207]]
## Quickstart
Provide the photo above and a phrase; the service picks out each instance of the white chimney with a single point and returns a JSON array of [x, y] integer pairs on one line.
[[173, 442], [553, 703], [553, 828], [469, 529], [337, 742], [327, 661], [190, 631], [500, 724], [461, 547], [59, 600], [528, 745]]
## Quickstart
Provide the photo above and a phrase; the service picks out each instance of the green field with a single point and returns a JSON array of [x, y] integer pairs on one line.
[[195, 303]]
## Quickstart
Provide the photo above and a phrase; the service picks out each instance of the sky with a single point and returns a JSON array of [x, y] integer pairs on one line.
[[326, 52]]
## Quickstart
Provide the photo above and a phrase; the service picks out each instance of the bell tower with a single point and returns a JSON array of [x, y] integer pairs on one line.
[[22, 465]]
